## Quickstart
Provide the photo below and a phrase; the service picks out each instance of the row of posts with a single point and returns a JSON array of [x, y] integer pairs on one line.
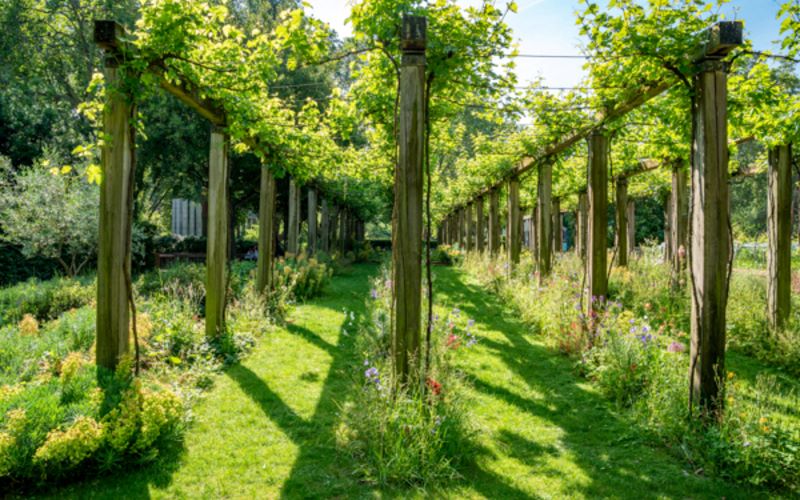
[[698, 215]]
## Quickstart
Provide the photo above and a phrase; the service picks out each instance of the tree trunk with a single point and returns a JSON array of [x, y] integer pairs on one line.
[[216, 253], [557, 226], [779, 230], [324, 236], [407, 234], [631, 226], [582, 225]]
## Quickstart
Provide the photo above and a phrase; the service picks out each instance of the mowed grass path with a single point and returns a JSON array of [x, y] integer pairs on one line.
[[267, 429]]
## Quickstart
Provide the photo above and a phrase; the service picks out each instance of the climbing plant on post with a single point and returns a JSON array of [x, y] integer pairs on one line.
[[116, 196], [544, 193], [266, 221], [514, 237], [407, 231], [597, 241], [711, 238], [779, 230], [217, 242]]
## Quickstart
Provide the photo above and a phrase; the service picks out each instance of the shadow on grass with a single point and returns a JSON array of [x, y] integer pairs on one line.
[[605, 447]]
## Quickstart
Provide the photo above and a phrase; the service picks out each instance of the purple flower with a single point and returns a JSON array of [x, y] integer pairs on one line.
[[373, 293], [470, 323], [676, 347], [366, 362], [645, 338], [371, 372], [633, 329], [632, 321], [645, 329]]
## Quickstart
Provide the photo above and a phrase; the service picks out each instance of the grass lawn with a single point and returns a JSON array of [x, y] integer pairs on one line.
[[268, 427]]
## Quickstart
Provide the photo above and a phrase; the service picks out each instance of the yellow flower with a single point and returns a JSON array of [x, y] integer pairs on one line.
[[72, 445], [762, 420], [730, 400], [765, 428], [28, 325], [72, 363], [731, 375]]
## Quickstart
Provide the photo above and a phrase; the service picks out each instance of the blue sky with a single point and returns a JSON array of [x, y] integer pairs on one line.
[[548, 27]]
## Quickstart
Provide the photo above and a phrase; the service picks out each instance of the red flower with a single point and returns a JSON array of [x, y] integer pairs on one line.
[[453, 341], [434, 386]]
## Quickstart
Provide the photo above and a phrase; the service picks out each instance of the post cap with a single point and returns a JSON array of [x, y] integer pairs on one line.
[[414, 34]]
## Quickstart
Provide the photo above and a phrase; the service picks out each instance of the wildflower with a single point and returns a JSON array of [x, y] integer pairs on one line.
[[470, 323], [647, 306], [374, 294], [453, 341], [746, 444], [456, 312], [645, 338], [676, 347], [434, 386], [645, 329], [762, 420], [731, 375], [388, 284], [633, 330], [366, 362], [765, 428]]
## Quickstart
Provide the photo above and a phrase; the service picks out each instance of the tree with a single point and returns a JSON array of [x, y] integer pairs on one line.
[[51, 211]]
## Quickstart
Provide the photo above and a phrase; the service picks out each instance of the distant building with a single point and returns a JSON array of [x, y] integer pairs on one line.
[[187, 218]]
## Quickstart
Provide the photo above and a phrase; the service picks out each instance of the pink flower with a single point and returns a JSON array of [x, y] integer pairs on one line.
[[676, 347]]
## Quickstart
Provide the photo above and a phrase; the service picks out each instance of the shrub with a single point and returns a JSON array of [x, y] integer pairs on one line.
[[44, 300], [306, 277]]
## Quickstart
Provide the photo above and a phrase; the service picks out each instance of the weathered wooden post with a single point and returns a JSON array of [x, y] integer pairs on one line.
[[582, 224], [325, 227], [334, 227], [293, 243], [558, 226], [710, 248], [514, 237], [344, 234], [597, 241], [779, 229], [407, 234], [312, 220], [470, 229], [678, 225], [217, 243], [544, 197], [534, 248], [631, 225], [266, 220], [621, 213], [494, 222], [116, 197], [480, 227]]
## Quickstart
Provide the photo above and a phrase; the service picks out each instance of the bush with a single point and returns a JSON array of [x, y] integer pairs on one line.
[[64, 420], [305, 277], [44, 300]]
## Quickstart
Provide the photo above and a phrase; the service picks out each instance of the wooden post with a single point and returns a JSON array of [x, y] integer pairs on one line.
[[266, 220], [597, 248], [514, 238], [344, 235], [779, 230], [494, 222], [470, 229], [668, 228], [558, 227], [293, 245], [678, 225], [325, 227], [480, 226], [334, 228], [116, 196], [631, 226], [312, 221], [710, 247], [582, 224], [407, 234], [621, 212], [534, 237], [544, 225], [216, 249]]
